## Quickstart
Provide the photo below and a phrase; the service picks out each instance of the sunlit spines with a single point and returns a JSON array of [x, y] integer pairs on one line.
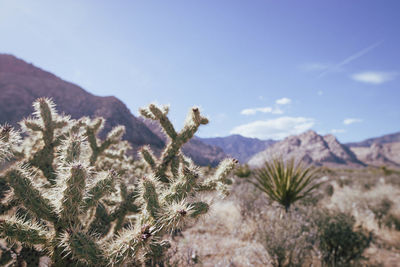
[[73, 193], [147, 155], [219, 180], [73, 148], [31, 197], [9, 140], [150, 196], [192, 123], [199, 208], [175, 215], [104, 185], [131, 245], [183, 185], [82, 247], [99, 147], [27, 232]]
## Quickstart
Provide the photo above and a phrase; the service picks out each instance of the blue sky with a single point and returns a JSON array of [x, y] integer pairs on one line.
[[263, 69]]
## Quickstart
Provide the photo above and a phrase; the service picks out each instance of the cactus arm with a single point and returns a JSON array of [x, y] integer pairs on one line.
[[83, 248], [192, 123], [28, 233], [46, 122], [155, 113], [29, 196], [150, 197], [199, 208], [73, 194], [147, 155], [103, 186], [219, 180], [183, 186], [9, 139]]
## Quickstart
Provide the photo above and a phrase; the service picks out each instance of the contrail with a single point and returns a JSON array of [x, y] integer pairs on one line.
[[351, 58]]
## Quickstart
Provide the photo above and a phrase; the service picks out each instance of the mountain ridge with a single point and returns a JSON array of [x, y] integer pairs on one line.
[[311, 148], [384, 139]]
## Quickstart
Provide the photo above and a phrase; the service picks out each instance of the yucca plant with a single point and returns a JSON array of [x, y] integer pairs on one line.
[[285, 181]]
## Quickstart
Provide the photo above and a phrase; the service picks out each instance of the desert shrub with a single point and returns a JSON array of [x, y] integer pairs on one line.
[[329, 190], [243, 171], [78, 206], [187, 257], [287, 237], [381, 209], [339, 241], [392, 221], [285, 182]]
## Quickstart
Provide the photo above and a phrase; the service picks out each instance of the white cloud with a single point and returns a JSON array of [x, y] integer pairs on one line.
[[320, 92], [374, 77], [283, 101], [338, 131], [349, 121], [274, 129], [253, 111], [277, 111]]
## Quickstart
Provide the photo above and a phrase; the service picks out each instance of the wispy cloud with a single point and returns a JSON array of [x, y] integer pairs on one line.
[[349, 121], [283, 101], [314, 66], [253, 111], [338, 131], [374, 77], [349, 59], [278, 128]]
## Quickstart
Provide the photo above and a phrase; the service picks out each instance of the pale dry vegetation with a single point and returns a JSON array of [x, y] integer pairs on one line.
[[248, 229]]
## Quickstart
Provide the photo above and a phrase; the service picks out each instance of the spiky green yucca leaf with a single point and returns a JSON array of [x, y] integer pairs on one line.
[[285, 182]]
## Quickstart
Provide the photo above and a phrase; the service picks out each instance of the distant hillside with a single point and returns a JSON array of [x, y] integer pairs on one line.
[[21, 83], [387, 154], [389, 138], [378, 151], [310, 148], [239, 147], [200, 152]]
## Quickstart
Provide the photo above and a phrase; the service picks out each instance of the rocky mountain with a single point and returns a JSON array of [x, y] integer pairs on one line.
[[377, 154], [239, 147], [389, 138], [202, 153], [383, 150], [310, 148], [21, 83]]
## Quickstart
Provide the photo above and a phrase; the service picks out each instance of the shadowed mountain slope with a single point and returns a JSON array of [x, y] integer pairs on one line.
[[239, 147]]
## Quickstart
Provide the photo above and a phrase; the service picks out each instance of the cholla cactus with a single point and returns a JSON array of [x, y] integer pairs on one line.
[[9, 140], [81, 211]]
